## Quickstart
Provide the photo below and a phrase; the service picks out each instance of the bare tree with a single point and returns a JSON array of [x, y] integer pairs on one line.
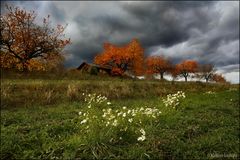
[[206, 71]]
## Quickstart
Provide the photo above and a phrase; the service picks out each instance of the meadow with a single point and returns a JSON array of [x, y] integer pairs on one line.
[[117, 118]]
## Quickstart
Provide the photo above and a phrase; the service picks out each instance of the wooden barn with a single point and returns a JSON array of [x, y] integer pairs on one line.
[[94, 69]]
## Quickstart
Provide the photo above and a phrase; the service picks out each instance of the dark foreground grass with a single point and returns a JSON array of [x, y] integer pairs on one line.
[[205, 126]]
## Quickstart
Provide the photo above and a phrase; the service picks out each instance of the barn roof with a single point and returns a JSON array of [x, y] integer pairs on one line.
[[94, 65], [81, 65]]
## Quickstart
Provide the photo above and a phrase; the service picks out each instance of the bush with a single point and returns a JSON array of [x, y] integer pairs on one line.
[[94, 71]]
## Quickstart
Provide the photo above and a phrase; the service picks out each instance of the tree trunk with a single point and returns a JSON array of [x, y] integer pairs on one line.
[[185, 78], [161, 76], [24, 65]]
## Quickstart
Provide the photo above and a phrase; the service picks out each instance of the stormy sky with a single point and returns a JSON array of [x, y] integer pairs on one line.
[[204, 31]]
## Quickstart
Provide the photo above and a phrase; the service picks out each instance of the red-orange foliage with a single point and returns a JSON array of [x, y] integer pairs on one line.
[[53, 62], [186, 67], [158, 64], [218, 78], [24, 43], [174, 72], [121, 59], [116, 72]]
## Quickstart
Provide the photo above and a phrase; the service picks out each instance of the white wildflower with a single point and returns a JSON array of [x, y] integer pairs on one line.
[[130, 120], [115, 123], [142, 138], [119, 113], [83, 121], [142, 131]]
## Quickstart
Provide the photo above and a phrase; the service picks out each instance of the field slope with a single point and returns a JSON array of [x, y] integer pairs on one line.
[[66, 119]]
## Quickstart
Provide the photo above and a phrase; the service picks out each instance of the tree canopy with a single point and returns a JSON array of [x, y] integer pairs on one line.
[[124, 58], [158, 64], [186, 67], [25, 44]]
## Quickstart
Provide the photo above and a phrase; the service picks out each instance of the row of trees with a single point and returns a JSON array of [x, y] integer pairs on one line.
[[186, 68], [130, 58]]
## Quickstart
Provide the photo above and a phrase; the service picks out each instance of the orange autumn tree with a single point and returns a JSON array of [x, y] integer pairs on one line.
[[26, 45], [186, 67], [158, 64], [218, 78], [124, 58], [53, 63], [9, 62], [173, 72]]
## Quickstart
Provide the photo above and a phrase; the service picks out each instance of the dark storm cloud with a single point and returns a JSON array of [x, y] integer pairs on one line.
[[230, 68], [168, 23], [58, 14], [84, 53]]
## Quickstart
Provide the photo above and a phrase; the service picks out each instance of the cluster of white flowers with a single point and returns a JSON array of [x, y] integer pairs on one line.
[[210, 92], [112, 117], [174, 99], [93, 99], [232, 89], [85, 115], [143, 136], [121, 118]]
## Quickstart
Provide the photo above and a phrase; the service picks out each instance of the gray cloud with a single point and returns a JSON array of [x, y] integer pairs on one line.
[[204, 31]]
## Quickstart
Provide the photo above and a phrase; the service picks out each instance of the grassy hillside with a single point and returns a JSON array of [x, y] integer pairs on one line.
[[57, 119], [29, 92]]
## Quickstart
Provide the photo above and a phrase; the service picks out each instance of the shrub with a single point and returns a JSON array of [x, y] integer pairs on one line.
[[72, 92]]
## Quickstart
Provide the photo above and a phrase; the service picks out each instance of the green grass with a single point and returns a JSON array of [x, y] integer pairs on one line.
[[36, 125], [32, 92]]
